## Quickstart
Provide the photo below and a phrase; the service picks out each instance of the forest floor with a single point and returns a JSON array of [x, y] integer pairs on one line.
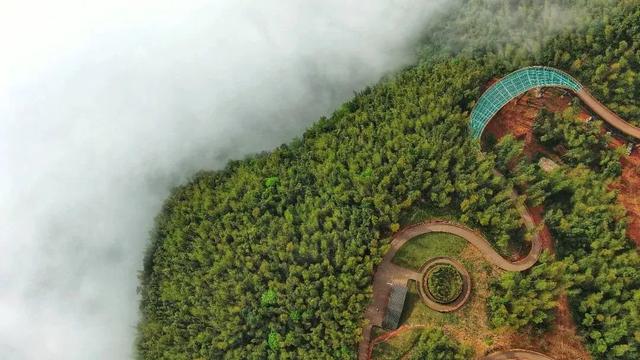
[[537, 213]]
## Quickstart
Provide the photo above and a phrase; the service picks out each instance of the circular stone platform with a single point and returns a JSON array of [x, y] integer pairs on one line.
[[426, 296]]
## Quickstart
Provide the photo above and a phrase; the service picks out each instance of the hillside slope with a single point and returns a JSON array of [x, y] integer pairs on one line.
[[272, 257]]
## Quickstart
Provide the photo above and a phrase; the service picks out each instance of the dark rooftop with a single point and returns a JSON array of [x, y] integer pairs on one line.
[[394, 307]]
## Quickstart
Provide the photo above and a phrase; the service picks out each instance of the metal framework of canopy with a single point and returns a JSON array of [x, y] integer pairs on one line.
[[514, 85], [394, 307]]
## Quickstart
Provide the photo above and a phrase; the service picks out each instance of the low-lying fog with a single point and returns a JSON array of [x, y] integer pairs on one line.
[[105, 106]]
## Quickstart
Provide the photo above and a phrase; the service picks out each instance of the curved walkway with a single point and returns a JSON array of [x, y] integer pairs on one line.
[[517, 354], [476, 239], [525, 79], [466, 285]]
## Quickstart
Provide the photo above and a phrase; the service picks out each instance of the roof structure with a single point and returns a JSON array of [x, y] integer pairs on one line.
[[514, 85], [394, 307]]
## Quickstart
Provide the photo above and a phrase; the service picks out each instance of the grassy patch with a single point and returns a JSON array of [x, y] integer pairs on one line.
[[395, 348], [421, 248], [415, 312]]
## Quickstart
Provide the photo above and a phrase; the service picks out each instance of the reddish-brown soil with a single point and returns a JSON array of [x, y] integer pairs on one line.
[[388, 335], [517, 118], [629, 196], [561, 342]]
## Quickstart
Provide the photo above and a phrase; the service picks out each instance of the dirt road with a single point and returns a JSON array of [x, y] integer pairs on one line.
[[607, 115]]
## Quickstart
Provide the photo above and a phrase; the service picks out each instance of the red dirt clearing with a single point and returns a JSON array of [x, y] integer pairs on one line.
[[629, 196], [518, 116]]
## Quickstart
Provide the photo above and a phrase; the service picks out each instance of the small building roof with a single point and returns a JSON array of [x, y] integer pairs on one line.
[[394, 308], [547, 165]]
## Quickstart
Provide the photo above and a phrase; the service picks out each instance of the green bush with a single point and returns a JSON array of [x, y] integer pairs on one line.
[[274, 340], [268, 297], [434, 344], [444, 283]]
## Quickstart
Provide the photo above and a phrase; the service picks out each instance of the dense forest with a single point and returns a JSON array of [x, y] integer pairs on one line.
[[273, 256], [581, 142]]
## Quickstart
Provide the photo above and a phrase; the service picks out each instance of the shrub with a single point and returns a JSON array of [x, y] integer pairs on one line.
[[444, 283]]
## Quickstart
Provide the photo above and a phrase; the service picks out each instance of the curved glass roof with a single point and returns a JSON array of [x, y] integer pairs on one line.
[[513, 85]]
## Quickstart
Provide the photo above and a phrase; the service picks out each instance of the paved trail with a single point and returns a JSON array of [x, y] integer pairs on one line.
[[607, 115]]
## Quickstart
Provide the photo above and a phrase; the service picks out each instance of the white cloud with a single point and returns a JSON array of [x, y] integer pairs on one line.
[[106, 105]]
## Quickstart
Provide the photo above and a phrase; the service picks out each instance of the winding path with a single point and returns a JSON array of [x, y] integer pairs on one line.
[[466, 285], [477, 240], [388, 273], [516, 354], [522, 80]]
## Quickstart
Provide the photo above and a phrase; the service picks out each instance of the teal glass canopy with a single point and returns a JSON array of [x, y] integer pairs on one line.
[[514, 85]]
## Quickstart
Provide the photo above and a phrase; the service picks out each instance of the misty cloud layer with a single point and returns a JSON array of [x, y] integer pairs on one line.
[[104, 108]]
